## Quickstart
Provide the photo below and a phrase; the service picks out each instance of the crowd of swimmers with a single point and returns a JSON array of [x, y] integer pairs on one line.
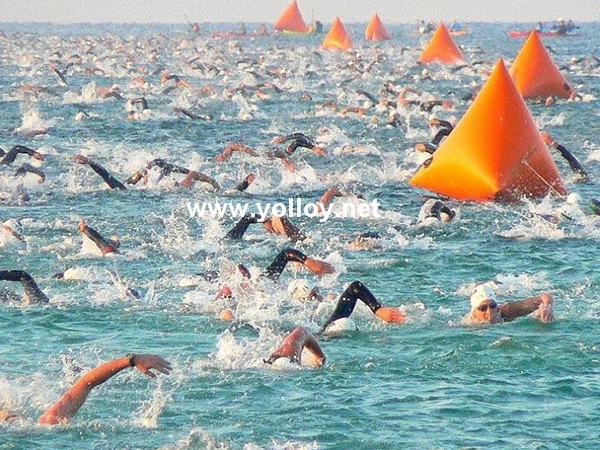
[[300, 345]]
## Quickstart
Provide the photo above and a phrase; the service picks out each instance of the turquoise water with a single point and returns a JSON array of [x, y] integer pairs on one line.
[[430, 383]]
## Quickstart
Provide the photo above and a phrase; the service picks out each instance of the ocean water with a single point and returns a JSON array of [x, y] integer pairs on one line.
[[430, 383]]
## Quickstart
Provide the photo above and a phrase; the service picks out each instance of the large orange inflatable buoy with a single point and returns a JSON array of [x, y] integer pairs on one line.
[[376, 31], [495, 152], [534, 72], [441, 48], [337, 38], [291, 20]]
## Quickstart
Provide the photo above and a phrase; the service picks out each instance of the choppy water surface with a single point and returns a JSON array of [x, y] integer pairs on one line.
[[427, 384]]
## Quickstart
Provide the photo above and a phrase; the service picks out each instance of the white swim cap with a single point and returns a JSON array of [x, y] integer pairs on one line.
[[573, 198], [482, 293], [299, 289]]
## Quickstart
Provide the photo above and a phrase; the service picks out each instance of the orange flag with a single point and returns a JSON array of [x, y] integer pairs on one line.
[[337, 38], [376, 30], [291, 19], [495, 152], [534, 72], [441, 48]]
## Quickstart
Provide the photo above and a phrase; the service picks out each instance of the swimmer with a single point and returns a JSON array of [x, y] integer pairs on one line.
[[136, 107], [485, 309], [105, 246], [31, 292], [318, 267], [10, 233], [67, 406], [191, 115], [111, 181], [276, 225], [293, 346], [446, 129], [435, 209], [9, 157], [574, 163], [347, 301], [234, 147], [365, 241], [245, 184], [299, 289], [299, 140], [26, 168]]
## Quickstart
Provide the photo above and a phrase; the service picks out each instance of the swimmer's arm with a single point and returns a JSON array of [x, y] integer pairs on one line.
[[112, 182], [327, 197], [541, 304], [94, 236], [237, 232], [194, 176], [68, 405], [313, 346]]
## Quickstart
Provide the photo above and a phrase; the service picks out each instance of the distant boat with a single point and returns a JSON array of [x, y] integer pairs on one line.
[[291, 22], [524, 34]]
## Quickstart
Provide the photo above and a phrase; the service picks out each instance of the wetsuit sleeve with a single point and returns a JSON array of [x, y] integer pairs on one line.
[[168, 168], [572, 160], [276, 267], [112, 182], [237, 232], [242, 186], [10, 157], [440, 135], [33, 294], [97, 239], [347, 302]]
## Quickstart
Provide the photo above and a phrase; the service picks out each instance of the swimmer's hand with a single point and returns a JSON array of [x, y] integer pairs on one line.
[[545, 311], [391, 315], [320, 151], [38, 156], [82, 225], [318, 267], [146, 362], [80, 159]]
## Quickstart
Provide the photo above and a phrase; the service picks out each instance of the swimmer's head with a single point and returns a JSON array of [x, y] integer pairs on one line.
[[299, 289], [482, 293]]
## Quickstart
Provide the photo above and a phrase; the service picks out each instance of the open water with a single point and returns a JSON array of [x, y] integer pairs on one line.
[[428, 384]]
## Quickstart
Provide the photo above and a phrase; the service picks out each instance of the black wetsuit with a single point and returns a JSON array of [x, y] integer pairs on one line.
[[112, 182], [104, 245], [276, 267], [441, 134], [574, 163], [243, 185], [299, 140], [237, 232], [33, 294], [437, 209], [12, 154], [347, 302]]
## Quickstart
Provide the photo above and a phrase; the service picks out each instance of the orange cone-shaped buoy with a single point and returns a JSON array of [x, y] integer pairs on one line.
[[441, 48], [291, 20], [376, 30], [495, 152], [534, 72], [337, 38]]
